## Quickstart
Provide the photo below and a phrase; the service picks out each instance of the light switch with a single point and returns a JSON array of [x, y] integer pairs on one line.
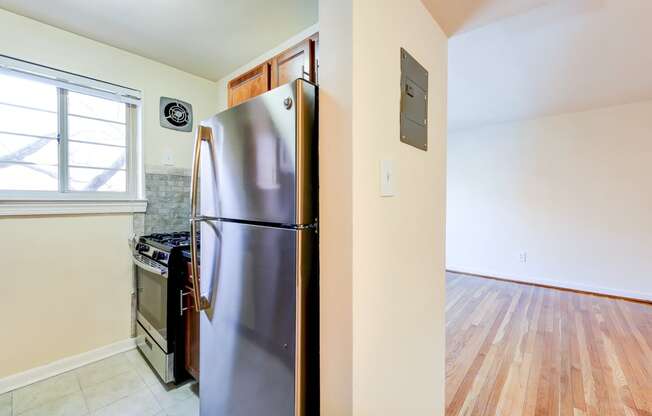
[[386, 178]]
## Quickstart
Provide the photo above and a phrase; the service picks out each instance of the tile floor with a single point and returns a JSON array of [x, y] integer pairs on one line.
[[122, 385]]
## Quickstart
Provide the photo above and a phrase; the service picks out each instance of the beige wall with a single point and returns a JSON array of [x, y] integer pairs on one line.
[[391, 263], [42, 44], [65, 281], [573, 191], [65, 287], [336, 205], [398, 243]]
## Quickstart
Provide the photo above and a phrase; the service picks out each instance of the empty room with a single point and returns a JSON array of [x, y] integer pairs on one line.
[[549, 232]]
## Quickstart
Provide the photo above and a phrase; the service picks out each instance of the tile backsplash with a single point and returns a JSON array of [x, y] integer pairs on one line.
[[168, 201]]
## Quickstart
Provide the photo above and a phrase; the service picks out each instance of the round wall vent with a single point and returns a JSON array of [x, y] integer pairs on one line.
[[175, 114]]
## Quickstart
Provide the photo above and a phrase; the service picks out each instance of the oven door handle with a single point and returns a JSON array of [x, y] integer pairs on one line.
[[141, 264], [203, 134]]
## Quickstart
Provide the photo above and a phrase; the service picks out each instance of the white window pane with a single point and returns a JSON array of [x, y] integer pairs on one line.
[[89, 106], [83, 179], [96, 155], [86, 130], [20, 91], [28, 149], [28, 177], [25, 121]]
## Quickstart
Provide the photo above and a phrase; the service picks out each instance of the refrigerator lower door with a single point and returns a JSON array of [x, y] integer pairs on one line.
[[252, 351]]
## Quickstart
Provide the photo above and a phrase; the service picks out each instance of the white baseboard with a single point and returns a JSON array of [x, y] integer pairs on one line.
[[55, 368], [645, 297]]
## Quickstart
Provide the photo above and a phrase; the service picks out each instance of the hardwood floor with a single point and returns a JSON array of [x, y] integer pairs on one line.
[[516, 349]]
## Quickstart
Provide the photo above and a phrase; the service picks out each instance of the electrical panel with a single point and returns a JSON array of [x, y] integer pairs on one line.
[[414, 102]]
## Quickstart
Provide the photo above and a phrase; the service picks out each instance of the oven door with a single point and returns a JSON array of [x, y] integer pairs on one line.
[[152, 299]]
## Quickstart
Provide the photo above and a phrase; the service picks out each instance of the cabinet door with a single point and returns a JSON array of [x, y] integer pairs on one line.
[[250, 84], [296, 62], [191, 333]]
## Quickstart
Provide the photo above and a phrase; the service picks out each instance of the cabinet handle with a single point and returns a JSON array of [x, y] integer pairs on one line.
[[304, 74], [182, 309]]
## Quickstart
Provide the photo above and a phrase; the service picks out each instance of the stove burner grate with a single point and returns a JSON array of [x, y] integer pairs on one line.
[[169, 240]]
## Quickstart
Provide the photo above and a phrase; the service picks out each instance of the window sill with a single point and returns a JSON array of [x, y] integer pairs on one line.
[[27, 208]]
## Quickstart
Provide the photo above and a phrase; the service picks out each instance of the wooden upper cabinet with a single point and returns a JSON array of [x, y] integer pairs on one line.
[[250, 84], [300, 61], [296, 62]]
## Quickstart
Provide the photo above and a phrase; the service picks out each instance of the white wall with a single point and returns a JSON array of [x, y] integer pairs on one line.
[[574, 191], [389, 267], [65, 281], [561, 57]]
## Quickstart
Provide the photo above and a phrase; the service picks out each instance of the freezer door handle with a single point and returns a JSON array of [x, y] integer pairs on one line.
[[203, 134]]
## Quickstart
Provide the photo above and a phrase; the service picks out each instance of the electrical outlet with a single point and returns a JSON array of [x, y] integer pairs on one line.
[[168, 158], [523, 257]]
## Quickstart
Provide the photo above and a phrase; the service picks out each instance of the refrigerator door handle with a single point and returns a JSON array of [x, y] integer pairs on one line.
[[203, 133]]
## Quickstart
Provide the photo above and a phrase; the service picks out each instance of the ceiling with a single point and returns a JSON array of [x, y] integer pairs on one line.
[[209, 38], [459, 16], [562, 56], [508, 59]]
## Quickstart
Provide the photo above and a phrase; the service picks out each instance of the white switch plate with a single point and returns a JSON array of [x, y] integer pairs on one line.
[[387, 178]]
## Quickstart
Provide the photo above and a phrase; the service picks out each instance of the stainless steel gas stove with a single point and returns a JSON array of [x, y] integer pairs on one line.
[[158, 262]]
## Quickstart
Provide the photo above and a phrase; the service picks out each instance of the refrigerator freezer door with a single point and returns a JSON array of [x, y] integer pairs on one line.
[[261, 163], [250, 355]]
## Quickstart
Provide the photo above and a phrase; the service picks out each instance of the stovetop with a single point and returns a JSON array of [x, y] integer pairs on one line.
[[167, 241], [159, 246]]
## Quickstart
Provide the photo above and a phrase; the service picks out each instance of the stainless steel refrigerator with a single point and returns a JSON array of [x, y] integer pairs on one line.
[[256, 167]]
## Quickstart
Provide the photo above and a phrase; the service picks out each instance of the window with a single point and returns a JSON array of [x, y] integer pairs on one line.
[[63, 136]]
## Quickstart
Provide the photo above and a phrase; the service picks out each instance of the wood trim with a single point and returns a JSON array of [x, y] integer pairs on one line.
[[549, 286]]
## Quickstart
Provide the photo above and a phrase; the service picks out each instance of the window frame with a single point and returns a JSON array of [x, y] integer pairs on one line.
[[66, 82]]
